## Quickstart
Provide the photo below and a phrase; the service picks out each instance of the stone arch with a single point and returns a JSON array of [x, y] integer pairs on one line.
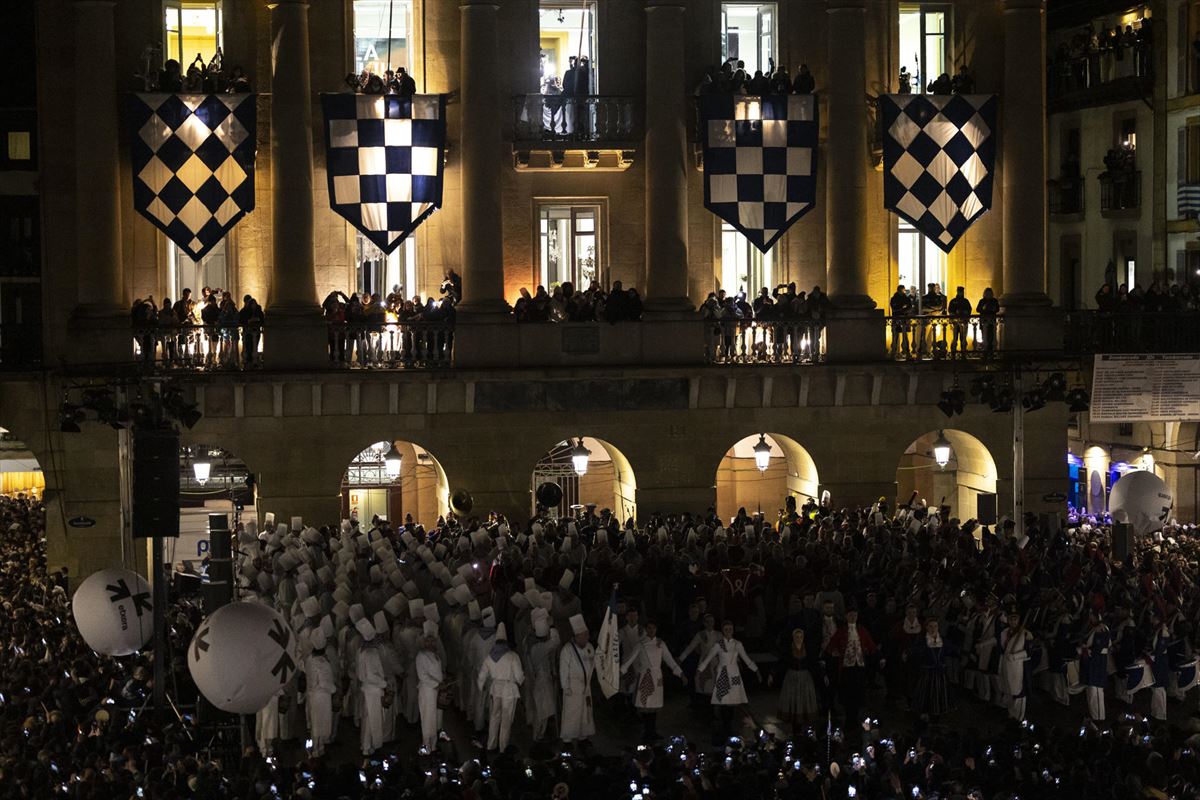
[[20, 470], [970, 473], [791, 472], [609, 481], [421, 489]]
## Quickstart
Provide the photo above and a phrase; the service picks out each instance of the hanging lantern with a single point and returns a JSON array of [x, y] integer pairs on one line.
[[391, 463], [762, 453], [942, 450], [202, 469], [579, 458]]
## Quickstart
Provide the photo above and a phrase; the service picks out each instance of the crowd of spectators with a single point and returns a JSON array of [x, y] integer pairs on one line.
[[396, 81], [1098, 55], [369, 330], [199, 78], [209, 332], [732, 77], [566, 304]]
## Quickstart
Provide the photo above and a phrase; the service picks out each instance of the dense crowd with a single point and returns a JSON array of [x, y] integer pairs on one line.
[[567, 304], [732, 77], [1095, 56], [208, 332]]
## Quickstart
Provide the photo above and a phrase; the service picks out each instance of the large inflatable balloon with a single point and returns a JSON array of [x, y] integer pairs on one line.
[[114, 612], [1141, 499], [241, 656]]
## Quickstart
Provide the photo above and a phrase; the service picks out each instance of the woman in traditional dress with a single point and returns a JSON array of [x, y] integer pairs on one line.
[[928, 657], [798, 682]]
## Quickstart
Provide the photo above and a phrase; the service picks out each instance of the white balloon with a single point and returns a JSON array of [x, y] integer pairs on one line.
[[1141, 499], [241, 656], [113, 611]]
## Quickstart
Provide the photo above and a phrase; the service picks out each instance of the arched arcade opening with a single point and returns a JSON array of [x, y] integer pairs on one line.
[[752, 478], [20, 472], [395, 480], [212, 480], [969, 471], [589, 471]]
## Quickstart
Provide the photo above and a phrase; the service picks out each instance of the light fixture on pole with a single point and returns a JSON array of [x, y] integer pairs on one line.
[[202, 469], [579, 458], [391, 463], [941, 450], [762, 453]]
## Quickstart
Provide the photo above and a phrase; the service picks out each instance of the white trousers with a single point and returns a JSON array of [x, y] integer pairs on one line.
[[1158, 702], [500, 722], [1095, 699], [427, 704]]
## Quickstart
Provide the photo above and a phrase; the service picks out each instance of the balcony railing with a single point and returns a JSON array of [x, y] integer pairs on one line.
[[392, 345], [1121, 191], [1100, 77], [744, 341], [20, 346], [1066, 194], [551, 120], [935, 337], [198, 347], [1138, 332]]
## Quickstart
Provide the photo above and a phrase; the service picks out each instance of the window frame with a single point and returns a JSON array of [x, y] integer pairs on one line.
[[723, 39], [925, 249], [924, 9], [410, 279], [599, 205], [411, 39], [178, 6], [767, 263], [593, 39]]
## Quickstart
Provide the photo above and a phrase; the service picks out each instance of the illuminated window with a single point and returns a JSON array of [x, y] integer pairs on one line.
[[921, 262], [744, 268], [382, 35], [191, 30], [925, 43], [566, 33], [20, 146], [184, 273], [380, 274], [568, 245], [748, 35]]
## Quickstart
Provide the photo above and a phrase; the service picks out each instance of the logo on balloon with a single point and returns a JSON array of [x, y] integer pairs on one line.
[[281, 636], [201, 643], [121, 591]]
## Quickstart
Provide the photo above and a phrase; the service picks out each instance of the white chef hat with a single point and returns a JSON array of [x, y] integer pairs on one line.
[[473, 609], [568, 577], [489, 617], [432, 613], [577, 624], [356, 612], [430, 628], [394, 605], [380, 622], [519, 600], [297, 523], [365, 629], [317, 639], [414, 606], [311, 607]]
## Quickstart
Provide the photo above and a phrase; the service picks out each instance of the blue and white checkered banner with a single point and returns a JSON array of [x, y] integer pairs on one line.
[[193, 164], [760, 161], [384, 156], [939, 161]]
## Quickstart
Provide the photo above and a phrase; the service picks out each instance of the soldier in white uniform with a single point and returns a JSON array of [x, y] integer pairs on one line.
[[429, 679], [372, 682], [576, 663], [647, 660], [1014, 652], [543, 650], [319, 688], [501, 677]]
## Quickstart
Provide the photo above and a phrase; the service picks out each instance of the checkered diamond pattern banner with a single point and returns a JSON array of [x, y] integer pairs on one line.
[[760, 161], [939, 161], [384, 157], [193, 164]]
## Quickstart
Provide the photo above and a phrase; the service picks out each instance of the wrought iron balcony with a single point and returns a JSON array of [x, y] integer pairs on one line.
[[759, 341], [1066, 195], [1121, 190], [198, 347], [558, 122], [392, 345], [936, 337]]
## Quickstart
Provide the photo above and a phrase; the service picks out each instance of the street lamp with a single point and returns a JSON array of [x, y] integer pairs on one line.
[[579, 458], [941, 450], [391, 463], [762, 453], [202, 469]]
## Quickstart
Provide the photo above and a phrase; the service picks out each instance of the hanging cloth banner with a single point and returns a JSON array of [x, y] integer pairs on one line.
[[939, 159], [193, 164], [384, 155], [760, 161]]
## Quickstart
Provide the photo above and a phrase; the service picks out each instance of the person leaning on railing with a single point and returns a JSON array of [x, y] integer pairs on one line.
[[959, 310], [250, 319], [988, 308]]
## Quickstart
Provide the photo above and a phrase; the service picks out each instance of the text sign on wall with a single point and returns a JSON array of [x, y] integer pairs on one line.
[[1152, 387]]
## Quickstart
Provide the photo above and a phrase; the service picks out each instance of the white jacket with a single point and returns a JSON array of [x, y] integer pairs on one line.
[[647, 660]]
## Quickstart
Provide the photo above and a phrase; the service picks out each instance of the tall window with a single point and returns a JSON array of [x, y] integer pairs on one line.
[[748, 35], [191, 29], [921, 262], [566, 33], [380, 274], [382, 35], [744, 268], [184, 273], [568, 245], [924, 42]]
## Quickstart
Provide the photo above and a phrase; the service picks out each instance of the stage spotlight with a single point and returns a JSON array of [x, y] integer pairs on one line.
[[952, 402], [1002, 403], [1055, 387], [1033, 399], [1078, 400]]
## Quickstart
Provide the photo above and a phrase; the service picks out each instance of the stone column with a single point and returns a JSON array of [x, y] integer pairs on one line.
[[101, 319], [667, 115], [479, 141], [855, 330], [846, 156], [294, 334], [1023, 139]]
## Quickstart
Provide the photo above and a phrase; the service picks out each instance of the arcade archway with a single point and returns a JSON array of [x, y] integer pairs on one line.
[[212, 480], [20, 472], [969, 471], [604, 477], [789, 472], [395, 480]]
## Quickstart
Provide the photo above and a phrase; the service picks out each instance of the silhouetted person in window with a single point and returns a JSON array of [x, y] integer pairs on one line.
[[964, 81], [905, 81], [900, 306], [405, 85], [804, 83], [943, 85], [759, 85], [960, 316], [780, 82]]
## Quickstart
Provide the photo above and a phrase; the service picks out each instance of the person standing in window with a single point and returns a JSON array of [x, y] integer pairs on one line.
[[960, 317], [901, 308], [804, 83], [251, 319], [987, 308]]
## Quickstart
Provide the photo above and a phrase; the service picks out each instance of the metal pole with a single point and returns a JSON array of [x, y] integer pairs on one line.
[[1018, 433], [160, 624]]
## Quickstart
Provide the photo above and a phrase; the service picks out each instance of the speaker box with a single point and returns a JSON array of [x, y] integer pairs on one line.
[[985, 509], [1122, 540], [155, 484], [218, 589]]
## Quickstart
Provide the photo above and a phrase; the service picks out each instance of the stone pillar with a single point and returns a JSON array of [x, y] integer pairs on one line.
[[855, 330], [667, 116], [482, 172], [100, 322], [294, 334], [846, 156]]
